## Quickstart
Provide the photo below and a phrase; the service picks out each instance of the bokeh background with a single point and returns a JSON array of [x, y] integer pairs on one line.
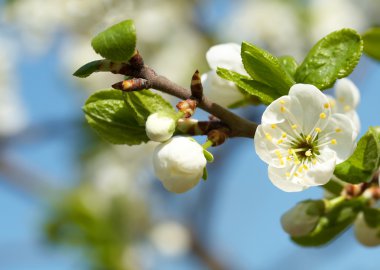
[[71, 201]]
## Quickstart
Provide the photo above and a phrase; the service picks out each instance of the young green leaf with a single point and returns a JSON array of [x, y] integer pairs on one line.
[[364, 161], [115, 122], [289, 64], [371, 40], [116, 43], [265, 68], [265, 93], [333, 57], [99, 65], [332, 223], [144, 103], [87, 69]]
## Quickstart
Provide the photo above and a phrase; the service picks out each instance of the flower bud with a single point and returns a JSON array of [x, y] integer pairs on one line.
[[366, 235], [179, 163], [159, 127], [302, 218]]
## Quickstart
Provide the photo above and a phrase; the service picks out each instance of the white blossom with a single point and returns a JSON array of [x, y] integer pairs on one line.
[[219, 90], [179, 163], [170, 238], [347, 99], [366, 235], [302, 140], [159, 127]]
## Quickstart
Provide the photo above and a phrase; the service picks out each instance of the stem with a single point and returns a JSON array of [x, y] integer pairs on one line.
[[238, 126]]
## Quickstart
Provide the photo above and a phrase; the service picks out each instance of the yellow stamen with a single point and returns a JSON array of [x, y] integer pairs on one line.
[[322, 116], [287, 174], [273, 126], [268, 136], [326, 105], [338, 130], [282, 101], [278, 153], [347, 108], [282, 109], [294, 126], [296, 160], [305, 167], [308, 137], [283, 135], [280, 141], [318, 130], [333, 141]]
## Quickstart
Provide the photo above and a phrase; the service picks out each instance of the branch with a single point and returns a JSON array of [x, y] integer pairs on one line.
[[148, 78]]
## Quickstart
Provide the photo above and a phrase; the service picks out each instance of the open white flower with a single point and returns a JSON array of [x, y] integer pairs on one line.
[[159, 127], [219, 90], [179, 163], [301, 140], [347, 99]]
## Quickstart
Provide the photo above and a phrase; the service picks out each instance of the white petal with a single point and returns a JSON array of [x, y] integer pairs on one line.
[[219, 90], [265, 148], [347, 95], [353, 115], [273, 113], [322, 171], [332, 102], [278, 178], [225, 55], [344, 139], [312, 103]]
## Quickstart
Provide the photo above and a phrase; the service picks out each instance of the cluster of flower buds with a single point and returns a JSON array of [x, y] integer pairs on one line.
[[179, 161]]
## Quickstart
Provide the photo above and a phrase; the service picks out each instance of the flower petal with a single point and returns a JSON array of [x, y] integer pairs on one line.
[[339, 136], [278, 177], [219, 90], [353, 115], [267, 149], [322, 171], [347, 95], [226, 56], [314, 106]]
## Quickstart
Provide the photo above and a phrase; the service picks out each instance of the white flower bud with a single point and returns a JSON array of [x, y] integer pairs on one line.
[[159, 127], [179, 163], [303, 218], [366, 235]]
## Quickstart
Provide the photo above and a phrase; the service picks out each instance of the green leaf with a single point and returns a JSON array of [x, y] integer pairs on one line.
[[371, 40], [143, 103], [364, 161], [116, 43], [209, 157], [333, 187], [115, 122], [372, 216], [89, 68], [332, 223], [289, 64], [120, 118], [265, 93], [205, 174], [265, 68], [334, 56]]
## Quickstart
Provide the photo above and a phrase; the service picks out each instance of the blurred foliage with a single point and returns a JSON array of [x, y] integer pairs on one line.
[[103, 227]]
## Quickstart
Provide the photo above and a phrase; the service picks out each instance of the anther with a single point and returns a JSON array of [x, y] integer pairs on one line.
[[322, 116]]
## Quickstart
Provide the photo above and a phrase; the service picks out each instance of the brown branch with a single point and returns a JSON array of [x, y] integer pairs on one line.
[[239, 127], [204, 255]]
